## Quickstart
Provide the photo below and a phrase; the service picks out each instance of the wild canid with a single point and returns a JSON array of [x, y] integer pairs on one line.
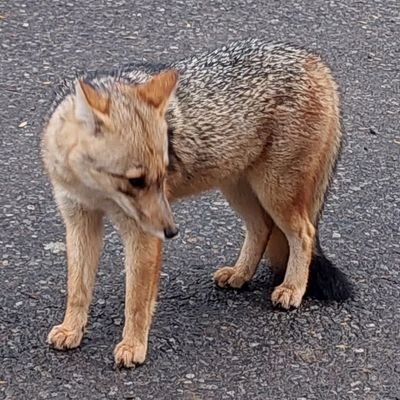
[[257, 120]]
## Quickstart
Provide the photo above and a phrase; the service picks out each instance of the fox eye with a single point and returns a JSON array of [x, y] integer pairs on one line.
[[138, 183]]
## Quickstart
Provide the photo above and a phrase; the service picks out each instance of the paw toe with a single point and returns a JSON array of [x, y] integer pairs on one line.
[[62, 338], [229, 276], [286, 296], [128, 356]]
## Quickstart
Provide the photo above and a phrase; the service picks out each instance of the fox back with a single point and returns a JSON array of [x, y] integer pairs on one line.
[[198, 121]]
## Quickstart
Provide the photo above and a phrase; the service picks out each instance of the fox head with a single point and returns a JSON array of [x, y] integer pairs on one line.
[[122, 147]]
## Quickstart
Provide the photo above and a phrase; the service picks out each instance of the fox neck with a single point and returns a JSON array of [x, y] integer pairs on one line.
[[186, 175], [56, 146]]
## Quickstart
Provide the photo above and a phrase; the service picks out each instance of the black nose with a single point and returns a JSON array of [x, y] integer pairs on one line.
[[171, 232]]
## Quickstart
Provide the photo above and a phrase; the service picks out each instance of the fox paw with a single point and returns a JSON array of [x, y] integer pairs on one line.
[[127, 355], [287, 296], [62, 338], [229, 276]]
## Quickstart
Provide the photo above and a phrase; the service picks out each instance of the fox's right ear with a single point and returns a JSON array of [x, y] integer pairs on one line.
[[90, 103]]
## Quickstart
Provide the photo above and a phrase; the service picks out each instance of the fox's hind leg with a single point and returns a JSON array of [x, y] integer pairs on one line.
[[300, 234], [258, 227], [277, 253], [287, 204]]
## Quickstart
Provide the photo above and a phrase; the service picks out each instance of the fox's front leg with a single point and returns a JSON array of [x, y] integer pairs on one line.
[[142, 265], [84, 243]]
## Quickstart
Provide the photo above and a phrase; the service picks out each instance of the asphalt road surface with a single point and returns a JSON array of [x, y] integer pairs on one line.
[[205, 343]]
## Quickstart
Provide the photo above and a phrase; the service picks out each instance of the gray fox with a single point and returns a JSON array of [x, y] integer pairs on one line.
[[259, 121]]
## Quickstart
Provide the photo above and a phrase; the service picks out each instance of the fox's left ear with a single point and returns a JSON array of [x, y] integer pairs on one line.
[[159, 90]]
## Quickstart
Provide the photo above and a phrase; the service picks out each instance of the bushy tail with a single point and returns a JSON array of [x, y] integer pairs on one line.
[[327, 282]]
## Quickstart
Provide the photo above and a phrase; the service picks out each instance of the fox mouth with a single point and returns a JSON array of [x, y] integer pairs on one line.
[[154, 231], [162, 233], [168, 233], [132, 213]]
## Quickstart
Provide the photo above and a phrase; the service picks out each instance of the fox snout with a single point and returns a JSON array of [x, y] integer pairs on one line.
[[164, 230], [169, 228], [158, 218], [171, 232]]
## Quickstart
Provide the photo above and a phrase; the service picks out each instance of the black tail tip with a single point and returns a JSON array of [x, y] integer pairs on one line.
[[327, 282]]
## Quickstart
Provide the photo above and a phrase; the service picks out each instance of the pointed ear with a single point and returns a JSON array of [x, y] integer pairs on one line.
[[89, 102], [159, 89]]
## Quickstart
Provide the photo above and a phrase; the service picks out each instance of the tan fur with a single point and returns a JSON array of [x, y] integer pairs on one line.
[[258, 228], [98, 102], [275, 177], [158, 90], [323, 98], [142, 265], [84, 243]]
